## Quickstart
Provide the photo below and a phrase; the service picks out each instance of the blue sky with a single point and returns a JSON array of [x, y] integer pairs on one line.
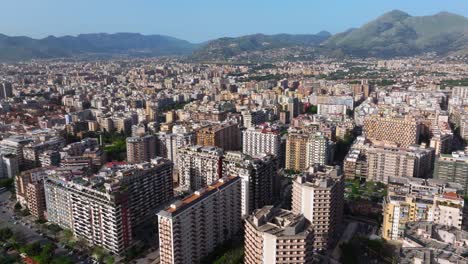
[[200, 20]]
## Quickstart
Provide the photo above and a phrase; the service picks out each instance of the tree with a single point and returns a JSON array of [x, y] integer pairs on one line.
[[98, 253], [5, 234], [109, 260], [33, 249], [18, 206], [47, 253]]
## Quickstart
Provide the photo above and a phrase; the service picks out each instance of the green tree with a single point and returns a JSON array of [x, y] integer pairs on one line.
[[5, 234], [32, 249]]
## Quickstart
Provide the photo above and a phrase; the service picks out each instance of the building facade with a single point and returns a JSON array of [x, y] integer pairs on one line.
[[278, 236], [199, 167], [318, 195], [191, 228]]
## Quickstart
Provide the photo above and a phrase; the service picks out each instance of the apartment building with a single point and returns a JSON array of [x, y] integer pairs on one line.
[[296, 151], [277, 236], [141, 149], [199, 166], [320, 149], [168, 144], [402, 208], [263, 139], [226, 136], [191, 228], [401, 131], [106, 209], [305, 149], [378, 162], [318, 195], [453, 168], [259, 178]]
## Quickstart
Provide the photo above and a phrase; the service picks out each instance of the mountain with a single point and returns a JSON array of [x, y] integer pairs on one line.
[[133, 44], [223, 48], [396, 33]]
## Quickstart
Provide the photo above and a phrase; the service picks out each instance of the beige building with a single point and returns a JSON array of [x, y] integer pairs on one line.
[[277, 236], [226, 136], [191, 228], [401, 131], [318, 195]]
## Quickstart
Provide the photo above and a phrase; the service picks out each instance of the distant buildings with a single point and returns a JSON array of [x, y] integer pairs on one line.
[[192, 228], [278, 236], [318, 195]]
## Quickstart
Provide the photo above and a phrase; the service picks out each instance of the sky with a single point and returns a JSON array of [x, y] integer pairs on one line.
[[202, 20]]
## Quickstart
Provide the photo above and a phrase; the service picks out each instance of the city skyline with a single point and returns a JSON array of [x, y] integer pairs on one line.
[[200, 22]]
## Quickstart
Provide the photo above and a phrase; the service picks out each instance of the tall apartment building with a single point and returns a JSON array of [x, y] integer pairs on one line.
[[253, 118], [259, 177], [306, 149], [170, 143], [318, 195], [320, 149], [199, 167], [277, 236], [257, 140], [15, 145], [35, 196], [6, 90], [225, 135], [402, 208], [8, 165], [441, 143], [378, 162], [30, 191], [123, 125], [107, 208], [296, 151], [383, 162], [141, 149], [58, 199], [192, 228], [460, 91], [453, 168], [401, 131]]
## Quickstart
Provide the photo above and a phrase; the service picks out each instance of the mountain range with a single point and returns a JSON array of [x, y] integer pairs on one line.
[[395, 33]]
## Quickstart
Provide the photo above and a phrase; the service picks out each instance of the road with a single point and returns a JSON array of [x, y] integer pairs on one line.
[[6, 220], [26, 229]]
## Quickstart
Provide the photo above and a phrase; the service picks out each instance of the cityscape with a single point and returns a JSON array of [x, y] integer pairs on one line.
[[344, 147]]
